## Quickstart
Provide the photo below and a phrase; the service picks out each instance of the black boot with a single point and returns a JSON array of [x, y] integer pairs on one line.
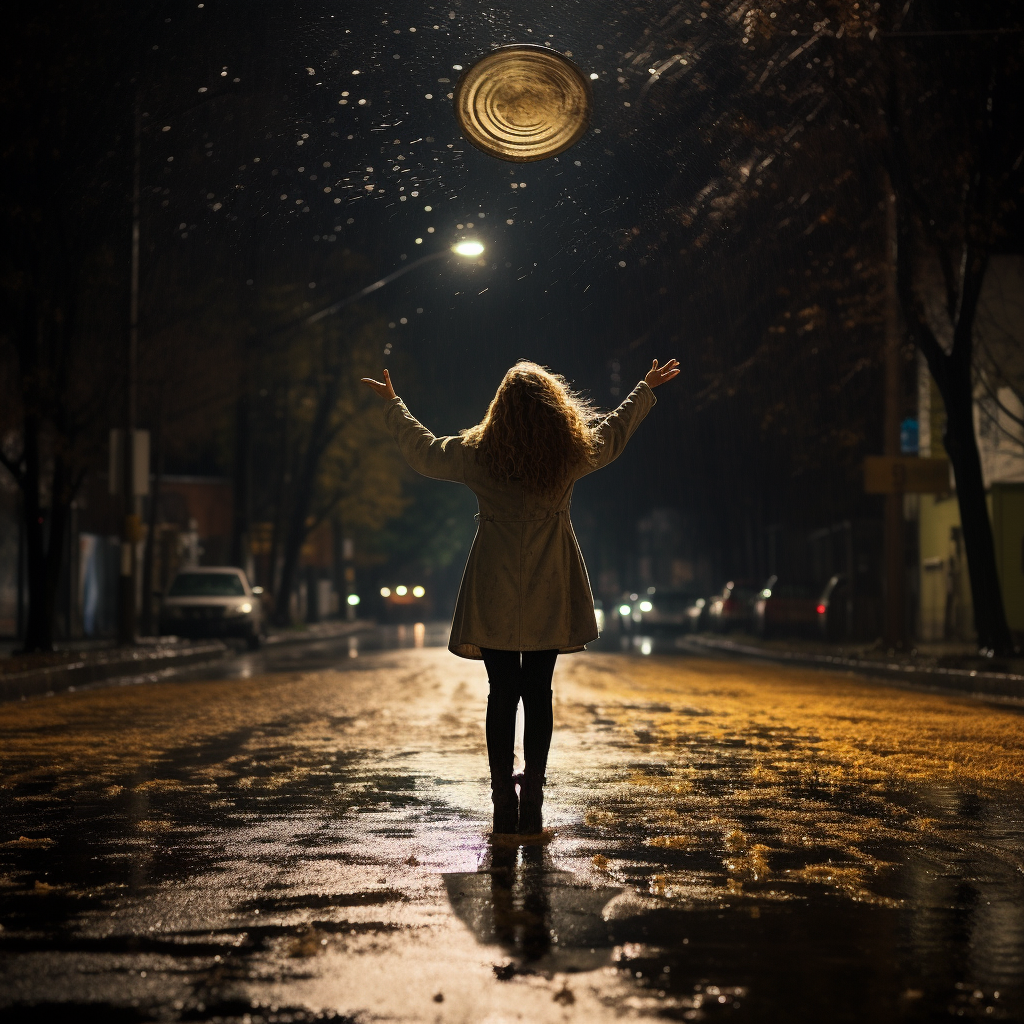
[[506, 806], [531, 802]]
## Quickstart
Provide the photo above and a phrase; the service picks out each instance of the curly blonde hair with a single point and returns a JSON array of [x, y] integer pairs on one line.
[[537, 430]]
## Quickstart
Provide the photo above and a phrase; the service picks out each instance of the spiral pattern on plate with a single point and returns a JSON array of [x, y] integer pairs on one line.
[[523, 103]]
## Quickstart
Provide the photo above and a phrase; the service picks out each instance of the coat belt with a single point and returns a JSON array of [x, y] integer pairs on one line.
[[534, 519]]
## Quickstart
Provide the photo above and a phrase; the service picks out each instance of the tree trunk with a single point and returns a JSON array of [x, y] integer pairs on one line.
[[320, 436], [953, 376], [961, 445], [302, 497]]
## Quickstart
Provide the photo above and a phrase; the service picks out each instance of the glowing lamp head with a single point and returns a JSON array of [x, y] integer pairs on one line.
[[468, 248], [353, 599], [418, 591], [401, 591], [385, 591]]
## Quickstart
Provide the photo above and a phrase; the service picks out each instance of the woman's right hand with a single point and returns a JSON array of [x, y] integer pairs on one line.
[[659, 374], [383, 388]]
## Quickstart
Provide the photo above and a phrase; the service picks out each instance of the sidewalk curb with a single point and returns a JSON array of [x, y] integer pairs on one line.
[[44, 682], [1006, 687], [140, 661]]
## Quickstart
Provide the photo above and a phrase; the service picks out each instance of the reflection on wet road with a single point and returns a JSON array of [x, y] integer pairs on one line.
[[304, 837]]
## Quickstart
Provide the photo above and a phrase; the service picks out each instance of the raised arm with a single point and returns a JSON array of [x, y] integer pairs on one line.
[[618, 426], [440, 458]]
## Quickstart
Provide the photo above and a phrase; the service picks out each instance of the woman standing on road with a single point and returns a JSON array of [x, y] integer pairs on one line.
[[525, 595]]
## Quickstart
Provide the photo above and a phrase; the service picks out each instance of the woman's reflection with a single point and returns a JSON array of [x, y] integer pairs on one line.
[[520, 902]]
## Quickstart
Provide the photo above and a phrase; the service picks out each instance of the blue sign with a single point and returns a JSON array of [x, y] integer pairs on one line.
[[908, 437]]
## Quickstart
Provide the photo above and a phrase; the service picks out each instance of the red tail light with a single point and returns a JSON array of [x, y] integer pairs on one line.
[[821, 609]]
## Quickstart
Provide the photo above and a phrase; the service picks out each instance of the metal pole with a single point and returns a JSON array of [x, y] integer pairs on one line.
[[894, 537], [126, 632]]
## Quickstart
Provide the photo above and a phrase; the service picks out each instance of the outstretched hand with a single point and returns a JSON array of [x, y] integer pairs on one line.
[[659, 374], [385, 390]]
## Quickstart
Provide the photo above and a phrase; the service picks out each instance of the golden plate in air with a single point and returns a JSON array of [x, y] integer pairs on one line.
[[523, 103]]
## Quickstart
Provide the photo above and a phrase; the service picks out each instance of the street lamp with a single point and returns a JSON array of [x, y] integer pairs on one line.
[[467, 248]]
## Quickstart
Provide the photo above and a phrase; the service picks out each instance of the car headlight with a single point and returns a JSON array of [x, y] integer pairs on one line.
[[239, 609]]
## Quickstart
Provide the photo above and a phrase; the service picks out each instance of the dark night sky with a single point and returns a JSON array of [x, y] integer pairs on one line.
[[591, 266], [558, 286], [552, 288]]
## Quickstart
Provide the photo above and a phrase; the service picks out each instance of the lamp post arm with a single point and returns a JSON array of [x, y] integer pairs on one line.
[[370, 288]]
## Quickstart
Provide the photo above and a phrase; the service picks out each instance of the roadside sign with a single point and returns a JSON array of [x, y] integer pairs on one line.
[[907, 474]]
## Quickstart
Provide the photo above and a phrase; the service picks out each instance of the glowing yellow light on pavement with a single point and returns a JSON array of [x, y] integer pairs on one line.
[[468, 249]]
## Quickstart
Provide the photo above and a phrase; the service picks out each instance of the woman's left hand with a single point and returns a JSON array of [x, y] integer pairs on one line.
[[657, 375], [385, 390]]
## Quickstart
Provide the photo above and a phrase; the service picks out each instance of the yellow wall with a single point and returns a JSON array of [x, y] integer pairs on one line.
[[946, 609]]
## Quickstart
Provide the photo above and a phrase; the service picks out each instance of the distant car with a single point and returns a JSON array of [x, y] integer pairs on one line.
[[629, 613], [832, 609], [213, 601], [733, 608], [667, 611], [697, 615], [785, 607]]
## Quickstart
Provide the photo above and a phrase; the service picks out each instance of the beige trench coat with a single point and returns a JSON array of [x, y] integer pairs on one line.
[[525, 587]]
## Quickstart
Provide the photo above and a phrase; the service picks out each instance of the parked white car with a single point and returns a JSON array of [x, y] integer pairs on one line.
[[213, 601]]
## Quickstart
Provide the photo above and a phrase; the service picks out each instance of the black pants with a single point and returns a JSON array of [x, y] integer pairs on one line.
[[513, 676]]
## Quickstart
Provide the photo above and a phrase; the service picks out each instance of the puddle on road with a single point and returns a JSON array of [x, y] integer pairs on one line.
[[706, 865], [547, 919]]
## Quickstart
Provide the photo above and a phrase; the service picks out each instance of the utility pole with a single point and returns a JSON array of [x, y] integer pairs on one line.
[[895, 631], [126, 625]]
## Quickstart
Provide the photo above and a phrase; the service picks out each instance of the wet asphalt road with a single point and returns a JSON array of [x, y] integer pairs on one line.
[[302, 835]]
